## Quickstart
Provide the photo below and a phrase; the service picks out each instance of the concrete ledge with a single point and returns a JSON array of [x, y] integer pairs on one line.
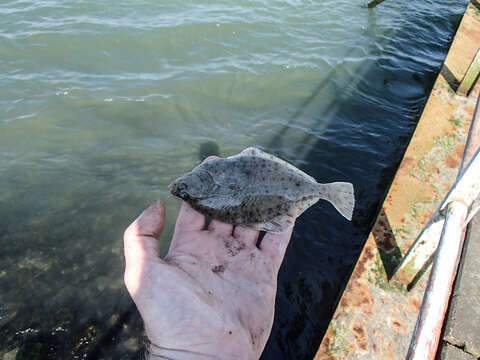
[[450, 352]]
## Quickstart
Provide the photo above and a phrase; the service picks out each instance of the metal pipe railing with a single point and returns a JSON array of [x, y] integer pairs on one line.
[[426, 336]]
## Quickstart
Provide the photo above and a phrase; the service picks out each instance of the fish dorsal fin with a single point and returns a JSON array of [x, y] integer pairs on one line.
[[252, 151]]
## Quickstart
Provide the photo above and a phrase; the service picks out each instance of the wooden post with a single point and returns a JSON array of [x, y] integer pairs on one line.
[[470, 77]]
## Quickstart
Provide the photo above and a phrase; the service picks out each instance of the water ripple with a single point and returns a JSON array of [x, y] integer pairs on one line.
[[102, 104]]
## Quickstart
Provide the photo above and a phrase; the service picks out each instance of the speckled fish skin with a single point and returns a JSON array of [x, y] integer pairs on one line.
[[256, 189]]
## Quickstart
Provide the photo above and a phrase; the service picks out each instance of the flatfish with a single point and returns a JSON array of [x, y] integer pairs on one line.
[[257, 189]]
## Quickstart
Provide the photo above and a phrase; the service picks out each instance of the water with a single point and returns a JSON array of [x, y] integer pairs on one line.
[[103, 104]]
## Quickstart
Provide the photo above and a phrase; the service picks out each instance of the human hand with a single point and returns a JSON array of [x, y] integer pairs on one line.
[[213, 295]]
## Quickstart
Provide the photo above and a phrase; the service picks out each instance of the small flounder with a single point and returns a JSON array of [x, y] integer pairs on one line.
[[257, 189]]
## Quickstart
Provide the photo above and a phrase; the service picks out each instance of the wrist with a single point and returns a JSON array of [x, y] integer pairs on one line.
[[156, 352]]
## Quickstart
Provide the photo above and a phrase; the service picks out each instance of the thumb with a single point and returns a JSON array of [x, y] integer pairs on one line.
[[140, 240]]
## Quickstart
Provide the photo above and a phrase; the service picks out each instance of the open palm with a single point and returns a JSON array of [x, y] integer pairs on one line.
[[213, 295]]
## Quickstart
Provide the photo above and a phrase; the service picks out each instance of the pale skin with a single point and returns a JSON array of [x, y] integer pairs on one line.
[[213, 295]]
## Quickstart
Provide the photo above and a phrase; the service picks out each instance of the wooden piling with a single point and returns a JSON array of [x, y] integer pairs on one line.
[[470, 76]]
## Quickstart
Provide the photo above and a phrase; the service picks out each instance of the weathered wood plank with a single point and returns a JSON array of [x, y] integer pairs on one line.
[[470, 76]]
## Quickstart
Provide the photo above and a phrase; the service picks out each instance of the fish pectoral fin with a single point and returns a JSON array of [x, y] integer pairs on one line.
[[249, 201], [225, 189], [276, 225], [218, 202]]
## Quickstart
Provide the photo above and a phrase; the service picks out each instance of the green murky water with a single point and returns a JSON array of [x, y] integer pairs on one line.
[[103, 104]]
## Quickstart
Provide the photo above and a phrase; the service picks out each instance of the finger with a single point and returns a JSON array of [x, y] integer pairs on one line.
[[275, 245], [248, 235], [140, 242], [140, 238], [189, 219], [220, 228]]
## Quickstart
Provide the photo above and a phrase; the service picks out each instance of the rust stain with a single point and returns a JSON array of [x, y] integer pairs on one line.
[[406, 190], [359, 332], [358, 295], [384, 348], [399, 326], [425, 215], [389, 354], [344, 302], [326, 357], [365, 298], [367, 254], [470, 110], [415, 304], [452, 161], [407, 163], [460, 149], [472, 33], [323, 352]]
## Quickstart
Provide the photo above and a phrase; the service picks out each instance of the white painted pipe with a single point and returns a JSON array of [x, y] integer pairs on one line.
[[426, 335]]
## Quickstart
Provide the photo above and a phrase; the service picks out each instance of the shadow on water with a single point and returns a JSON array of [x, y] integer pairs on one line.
[[206, 149], [320, 258], [276, 144]]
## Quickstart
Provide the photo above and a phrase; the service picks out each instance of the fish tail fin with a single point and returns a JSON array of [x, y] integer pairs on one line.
[[341, 196]]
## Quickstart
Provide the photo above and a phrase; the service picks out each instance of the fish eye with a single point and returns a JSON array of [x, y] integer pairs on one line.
[[184, 195]]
